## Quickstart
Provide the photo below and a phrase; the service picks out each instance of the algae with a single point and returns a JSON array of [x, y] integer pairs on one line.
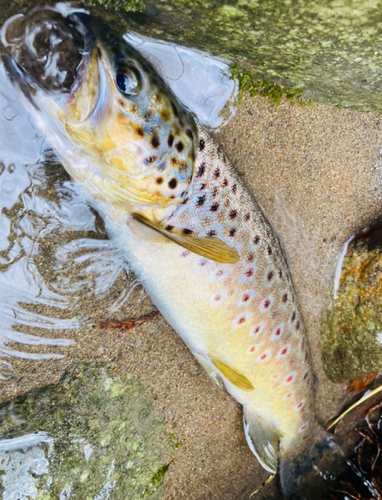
[[106, 439], [352, 324], [118, 5], [329, 49]]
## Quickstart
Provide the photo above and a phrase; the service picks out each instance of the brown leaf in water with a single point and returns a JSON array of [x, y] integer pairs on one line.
[[130, 323]]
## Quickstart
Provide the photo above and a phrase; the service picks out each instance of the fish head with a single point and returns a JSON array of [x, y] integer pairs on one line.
[[96, 97]]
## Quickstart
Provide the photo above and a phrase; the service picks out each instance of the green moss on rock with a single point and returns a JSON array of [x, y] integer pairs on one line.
[[117, 5], [351, 324], [107, 438]]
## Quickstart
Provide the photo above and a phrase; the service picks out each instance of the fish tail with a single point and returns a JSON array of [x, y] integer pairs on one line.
[[312, 473], [262, 438]]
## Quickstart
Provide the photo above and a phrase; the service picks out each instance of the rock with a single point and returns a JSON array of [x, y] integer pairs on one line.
[[352, 324], [90, 436]]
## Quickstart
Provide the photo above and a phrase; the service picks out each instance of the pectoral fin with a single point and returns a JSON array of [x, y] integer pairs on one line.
[[263, 440], [209, 247], [236, 378]]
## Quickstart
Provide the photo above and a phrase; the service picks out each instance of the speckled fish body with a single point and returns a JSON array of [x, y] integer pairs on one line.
[[189, 227]]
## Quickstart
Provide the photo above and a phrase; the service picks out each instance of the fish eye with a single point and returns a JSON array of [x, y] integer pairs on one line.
[[127, 81]]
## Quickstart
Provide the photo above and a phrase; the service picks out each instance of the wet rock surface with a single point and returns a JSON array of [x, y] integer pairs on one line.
[[89, 436], [352, 324]]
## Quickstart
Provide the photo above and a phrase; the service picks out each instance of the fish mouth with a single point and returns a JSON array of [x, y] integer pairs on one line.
[[46, 50]]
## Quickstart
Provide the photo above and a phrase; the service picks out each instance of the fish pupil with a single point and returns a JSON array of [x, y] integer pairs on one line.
[[125, 83]]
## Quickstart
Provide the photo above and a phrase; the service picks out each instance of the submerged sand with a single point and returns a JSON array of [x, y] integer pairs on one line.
[[316, 171]]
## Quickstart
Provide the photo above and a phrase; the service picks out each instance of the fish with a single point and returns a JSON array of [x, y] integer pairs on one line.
[[189, 227]]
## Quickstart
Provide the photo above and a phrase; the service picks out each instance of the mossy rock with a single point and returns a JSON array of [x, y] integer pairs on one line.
[[352, 324], [97, 437]]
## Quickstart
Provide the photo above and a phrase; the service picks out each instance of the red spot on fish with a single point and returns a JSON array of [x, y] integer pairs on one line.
[[252, 349], [289, 379], [288, 395], [245, 297], [284, 351], [241, 320], [217, 298], [256, 329], [277, 332], [299, 405], [249, 272], [263, 356], [266, 303]]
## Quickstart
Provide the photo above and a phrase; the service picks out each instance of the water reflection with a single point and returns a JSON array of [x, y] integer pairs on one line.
[[54, 252]]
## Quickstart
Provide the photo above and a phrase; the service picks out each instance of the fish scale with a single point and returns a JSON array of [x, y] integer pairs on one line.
[[264, 342], [188, 226]]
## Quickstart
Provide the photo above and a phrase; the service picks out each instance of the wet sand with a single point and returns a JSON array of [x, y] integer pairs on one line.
[[316, 172]]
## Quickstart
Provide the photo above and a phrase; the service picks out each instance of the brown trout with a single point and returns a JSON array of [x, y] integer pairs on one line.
[[189, 227]]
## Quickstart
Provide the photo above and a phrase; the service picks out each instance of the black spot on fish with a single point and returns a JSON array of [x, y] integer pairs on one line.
[[293, 316], [211, 233], [269, 250], [149, 160], [173, 183], [285, 298], [225, 182], [159, 180], [169, 227], [234, 188], [201, 170], [247, 216], [270, 275], [200, 201], [214, 207], [217, 172], [170, 140], [179, 146], [190, 134], [297, 325], [280, 274], [250, 258], [232, 214], [187, 231], [306, 375], [256, 239], [214, 192], [202, 144], [203, 186], [232, 232], [140, 131], [155, 141], [174, 161]]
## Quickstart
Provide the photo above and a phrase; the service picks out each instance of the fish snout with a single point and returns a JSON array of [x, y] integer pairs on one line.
[[46, 47]]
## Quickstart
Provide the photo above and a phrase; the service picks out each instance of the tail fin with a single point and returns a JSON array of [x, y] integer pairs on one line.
[[263, 440]]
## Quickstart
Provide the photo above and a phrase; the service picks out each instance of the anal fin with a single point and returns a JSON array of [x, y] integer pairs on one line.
[[263, 440]]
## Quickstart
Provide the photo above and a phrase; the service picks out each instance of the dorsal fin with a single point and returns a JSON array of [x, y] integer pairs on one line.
[[236, 378], [263, 440], [209, 247]]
